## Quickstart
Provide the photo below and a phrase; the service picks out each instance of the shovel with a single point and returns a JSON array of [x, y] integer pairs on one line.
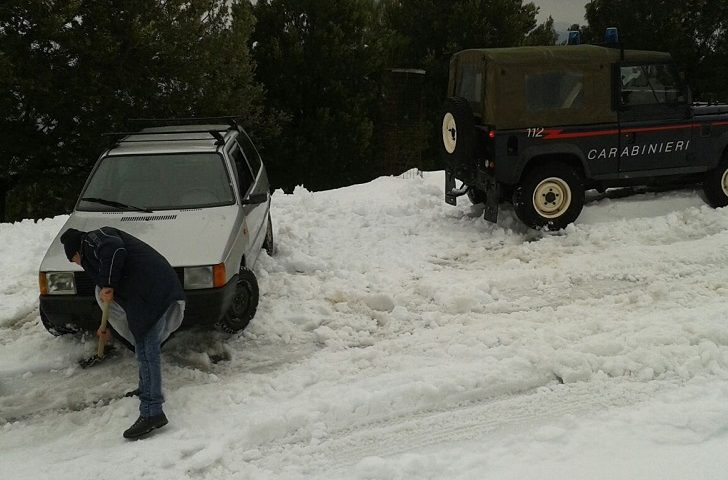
[[100, 354]]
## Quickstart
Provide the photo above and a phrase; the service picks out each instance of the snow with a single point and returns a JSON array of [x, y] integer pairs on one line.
[[400, 337]]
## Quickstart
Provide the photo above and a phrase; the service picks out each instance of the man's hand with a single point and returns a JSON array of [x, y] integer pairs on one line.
[[103, 334], [107, 294]]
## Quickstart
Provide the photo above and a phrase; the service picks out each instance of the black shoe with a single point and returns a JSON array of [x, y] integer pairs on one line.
[[143, 426], [133, 393]]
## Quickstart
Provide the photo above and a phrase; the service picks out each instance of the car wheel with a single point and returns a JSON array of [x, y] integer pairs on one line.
[[715, 184], [476, 195], [269, 245], [245, 303], [458, 133], [56, 330], [550, 196]]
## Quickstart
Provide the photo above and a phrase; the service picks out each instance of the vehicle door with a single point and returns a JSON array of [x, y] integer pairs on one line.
[[654, 117], [253, 190]]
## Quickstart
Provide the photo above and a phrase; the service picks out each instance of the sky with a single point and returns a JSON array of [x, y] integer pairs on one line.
[[562, 11], [399, 337]]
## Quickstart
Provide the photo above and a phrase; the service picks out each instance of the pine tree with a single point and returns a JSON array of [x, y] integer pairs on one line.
[[83, 67], [319, 60]]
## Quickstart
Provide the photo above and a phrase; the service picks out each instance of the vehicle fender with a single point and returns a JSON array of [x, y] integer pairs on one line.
[[537, 154]]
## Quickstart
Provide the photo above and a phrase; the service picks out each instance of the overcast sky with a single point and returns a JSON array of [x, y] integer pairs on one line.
[[562, 11]]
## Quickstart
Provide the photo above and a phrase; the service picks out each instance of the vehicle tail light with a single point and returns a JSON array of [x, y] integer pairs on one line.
[[43, 283]]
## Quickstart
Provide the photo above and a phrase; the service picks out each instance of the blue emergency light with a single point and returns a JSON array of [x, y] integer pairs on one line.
[[611, 35], [574, 37]]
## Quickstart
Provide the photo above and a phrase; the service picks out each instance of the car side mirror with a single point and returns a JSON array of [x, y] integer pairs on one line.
[[255, 199]]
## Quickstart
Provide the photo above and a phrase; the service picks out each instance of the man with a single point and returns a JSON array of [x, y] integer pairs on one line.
[[146, 305]]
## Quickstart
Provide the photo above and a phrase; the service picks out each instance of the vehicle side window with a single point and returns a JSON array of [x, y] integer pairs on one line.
[[245, 176], [554, 91], [656, 84], [469, 83], [251, 153]]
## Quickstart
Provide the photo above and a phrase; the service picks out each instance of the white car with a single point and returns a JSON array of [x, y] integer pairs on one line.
[[198, 194]]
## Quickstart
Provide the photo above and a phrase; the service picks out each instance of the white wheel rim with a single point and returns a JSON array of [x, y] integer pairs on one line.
[[724, 183], [449, 133], [552, 197]]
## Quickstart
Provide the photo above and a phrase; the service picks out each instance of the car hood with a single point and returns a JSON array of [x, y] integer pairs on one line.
[[184, 237]]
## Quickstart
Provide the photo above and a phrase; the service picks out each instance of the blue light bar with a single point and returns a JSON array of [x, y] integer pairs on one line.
[[611, 35], [574, 37]]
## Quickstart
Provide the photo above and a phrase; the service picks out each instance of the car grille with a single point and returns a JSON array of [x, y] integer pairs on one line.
[[86, 286]]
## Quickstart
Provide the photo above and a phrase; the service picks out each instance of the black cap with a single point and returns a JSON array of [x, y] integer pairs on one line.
[[71, 240]]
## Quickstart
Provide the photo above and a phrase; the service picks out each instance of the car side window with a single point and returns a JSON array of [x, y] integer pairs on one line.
[[554, 91], [251, 153], [653, 84], [245, 176]]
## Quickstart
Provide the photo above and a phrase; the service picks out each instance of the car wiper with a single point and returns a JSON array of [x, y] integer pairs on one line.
[[114, 204]]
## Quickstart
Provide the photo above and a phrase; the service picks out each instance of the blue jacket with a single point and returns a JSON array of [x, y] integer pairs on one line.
[[144, 282]]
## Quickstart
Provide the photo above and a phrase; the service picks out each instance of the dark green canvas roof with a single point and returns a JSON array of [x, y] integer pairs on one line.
[[504, 74], [572, 54]]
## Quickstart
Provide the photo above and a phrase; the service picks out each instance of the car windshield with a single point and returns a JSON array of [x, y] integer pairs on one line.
[[158, 182]]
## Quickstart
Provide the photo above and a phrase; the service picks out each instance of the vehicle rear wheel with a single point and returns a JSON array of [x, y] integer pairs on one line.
[[715, 184], [245, 303], [458, 133], [550, 196]]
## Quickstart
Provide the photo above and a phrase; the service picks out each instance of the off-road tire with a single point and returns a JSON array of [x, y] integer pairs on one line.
[[245, 303], [549, 196], [457, 144], [715, 184]]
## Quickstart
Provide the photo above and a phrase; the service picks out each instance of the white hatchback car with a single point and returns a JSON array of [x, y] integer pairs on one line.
[[198, 194]]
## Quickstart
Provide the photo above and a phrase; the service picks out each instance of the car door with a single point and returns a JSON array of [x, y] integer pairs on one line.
[[654, 118], [253, 188]]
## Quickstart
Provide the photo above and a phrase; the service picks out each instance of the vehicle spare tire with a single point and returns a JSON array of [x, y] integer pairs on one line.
[[457, 143]]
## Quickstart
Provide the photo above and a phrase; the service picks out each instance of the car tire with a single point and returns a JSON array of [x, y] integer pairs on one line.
[[269, 244], [476, 195], [56, 330], [244, 304], [715, 184], [457, 143], [550, 196]]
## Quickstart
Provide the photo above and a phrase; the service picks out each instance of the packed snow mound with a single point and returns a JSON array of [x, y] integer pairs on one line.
[[400, 337]]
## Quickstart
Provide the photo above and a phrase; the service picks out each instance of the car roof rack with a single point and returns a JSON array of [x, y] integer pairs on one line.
[[231, 121]]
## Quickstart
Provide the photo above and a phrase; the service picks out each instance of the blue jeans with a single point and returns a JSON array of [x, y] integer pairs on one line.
[[150, 370]]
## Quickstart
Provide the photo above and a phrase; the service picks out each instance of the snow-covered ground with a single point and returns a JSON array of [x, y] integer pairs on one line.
[[399, 337]]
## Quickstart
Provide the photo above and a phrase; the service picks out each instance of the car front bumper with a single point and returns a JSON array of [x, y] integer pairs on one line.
[[202, 307]]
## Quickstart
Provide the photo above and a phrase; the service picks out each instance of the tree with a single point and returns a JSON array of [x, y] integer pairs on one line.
[[544, 34], [425, 33], [319, 61], [79, 68], [694, 31]]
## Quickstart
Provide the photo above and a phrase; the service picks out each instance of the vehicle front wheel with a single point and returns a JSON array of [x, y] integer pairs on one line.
[[715, 184], [56, 330], [245, 303], [550, 196]]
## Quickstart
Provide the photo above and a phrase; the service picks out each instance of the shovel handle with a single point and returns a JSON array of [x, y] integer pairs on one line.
[[104, 322]]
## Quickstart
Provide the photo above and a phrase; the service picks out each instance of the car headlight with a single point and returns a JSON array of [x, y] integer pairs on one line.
[[59, 283], [198, 277], [205, 277]]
